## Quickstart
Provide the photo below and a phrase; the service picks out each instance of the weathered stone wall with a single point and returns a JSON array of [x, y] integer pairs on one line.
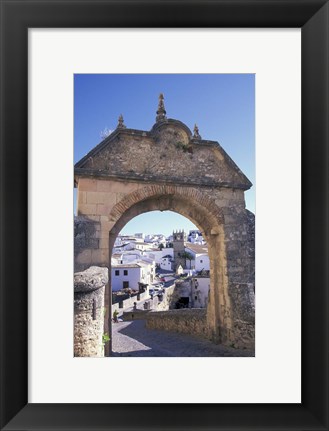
[[173, 154], [89, 288], [240, 256], [191, 287], [182, 289], [165, 303], [250, 245], [221, 213], [86, 242], [188, 321], [135, 315], [243, 304]]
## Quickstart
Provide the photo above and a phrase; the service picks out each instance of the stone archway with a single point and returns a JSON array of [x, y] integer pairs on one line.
[[205, 214], [168, 168]]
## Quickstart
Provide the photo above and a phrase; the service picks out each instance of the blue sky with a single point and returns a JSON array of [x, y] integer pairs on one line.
[[222, 105]]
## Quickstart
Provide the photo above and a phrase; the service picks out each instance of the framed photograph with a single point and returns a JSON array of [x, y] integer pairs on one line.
[[53, 57]]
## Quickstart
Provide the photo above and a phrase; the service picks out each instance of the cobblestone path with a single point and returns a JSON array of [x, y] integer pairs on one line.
[[134, 339]]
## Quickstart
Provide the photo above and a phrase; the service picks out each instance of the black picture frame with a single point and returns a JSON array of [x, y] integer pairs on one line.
[[312, 16]]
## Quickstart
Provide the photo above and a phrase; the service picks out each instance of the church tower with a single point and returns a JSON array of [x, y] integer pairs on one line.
[[179, 248]]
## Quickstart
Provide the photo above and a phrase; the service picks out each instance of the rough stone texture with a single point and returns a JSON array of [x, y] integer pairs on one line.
[[134, 315], [243, 304], [166, 300], [251, 244], [132, 172], [188, 321], [91, 279], [179, 249], [89, 288], [85, 238], [169, 145]]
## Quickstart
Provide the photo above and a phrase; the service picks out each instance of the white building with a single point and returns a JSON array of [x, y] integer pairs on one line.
[[200, 259], [166, 262], [130, 256], [200, 292], [128, 275], [157, 255], [141, 245], [156, 239]]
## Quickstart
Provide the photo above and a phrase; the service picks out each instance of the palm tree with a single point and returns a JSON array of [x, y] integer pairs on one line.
[[186, 255]]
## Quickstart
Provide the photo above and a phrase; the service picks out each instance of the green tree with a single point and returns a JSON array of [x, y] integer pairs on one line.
[[186, 255]]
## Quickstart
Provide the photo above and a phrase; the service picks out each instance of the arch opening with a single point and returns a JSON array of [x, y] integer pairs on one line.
[[211, 227], [181, 277]]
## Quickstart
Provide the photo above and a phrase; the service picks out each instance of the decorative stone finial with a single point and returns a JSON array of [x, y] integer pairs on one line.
[[161, 112], [121, 124], [196, 134]]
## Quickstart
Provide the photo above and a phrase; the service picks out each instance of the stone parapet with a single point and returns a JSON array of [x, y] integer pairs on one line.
[[89, 289], [188, 321], [135, 315]]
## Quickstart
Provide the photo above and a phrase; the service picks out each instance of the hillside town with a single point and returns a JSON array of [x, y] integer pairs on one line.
[[152, 271]]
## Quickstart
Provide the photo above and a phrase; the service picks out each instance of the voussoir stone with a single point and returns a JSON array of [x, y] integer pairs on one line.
[[91, 279]]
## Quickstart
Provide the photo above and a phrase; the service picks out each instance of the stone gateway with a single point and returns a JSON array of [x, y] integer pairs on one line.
[[169, 168]]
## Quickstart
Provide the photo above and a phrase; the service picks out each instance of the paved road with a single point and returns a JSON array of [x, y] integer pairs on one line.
[[133, 339]]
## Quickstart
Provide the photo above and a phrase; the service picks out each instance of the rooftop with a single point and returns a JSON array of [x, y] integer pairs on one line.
[[197, 248]]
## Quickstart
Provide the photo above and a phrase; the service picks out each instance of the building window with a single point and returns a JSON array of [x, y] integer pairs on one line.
[[201, 261], [195, 297], [125, 272], [125, 284], [117, 272]]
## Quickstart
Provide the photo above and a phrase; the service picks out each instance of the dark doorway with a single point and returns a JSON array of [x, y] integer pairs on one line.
[[183, 302]]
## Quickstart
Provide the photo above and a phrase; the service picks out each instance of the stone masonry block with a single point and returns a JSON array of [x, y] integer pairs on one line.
[[119, 197], [102, 234], [85, 209], [107, 226], [106, 198], [103, 209], [116, 186], [100, 257], [104, 242], [94, 218], [87, 184], [84, 257], [82, 197]]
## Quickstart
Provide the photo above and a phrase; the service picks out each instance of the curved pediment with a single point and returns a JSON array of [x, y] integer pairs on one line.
[[168, 153], [171, 131]]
